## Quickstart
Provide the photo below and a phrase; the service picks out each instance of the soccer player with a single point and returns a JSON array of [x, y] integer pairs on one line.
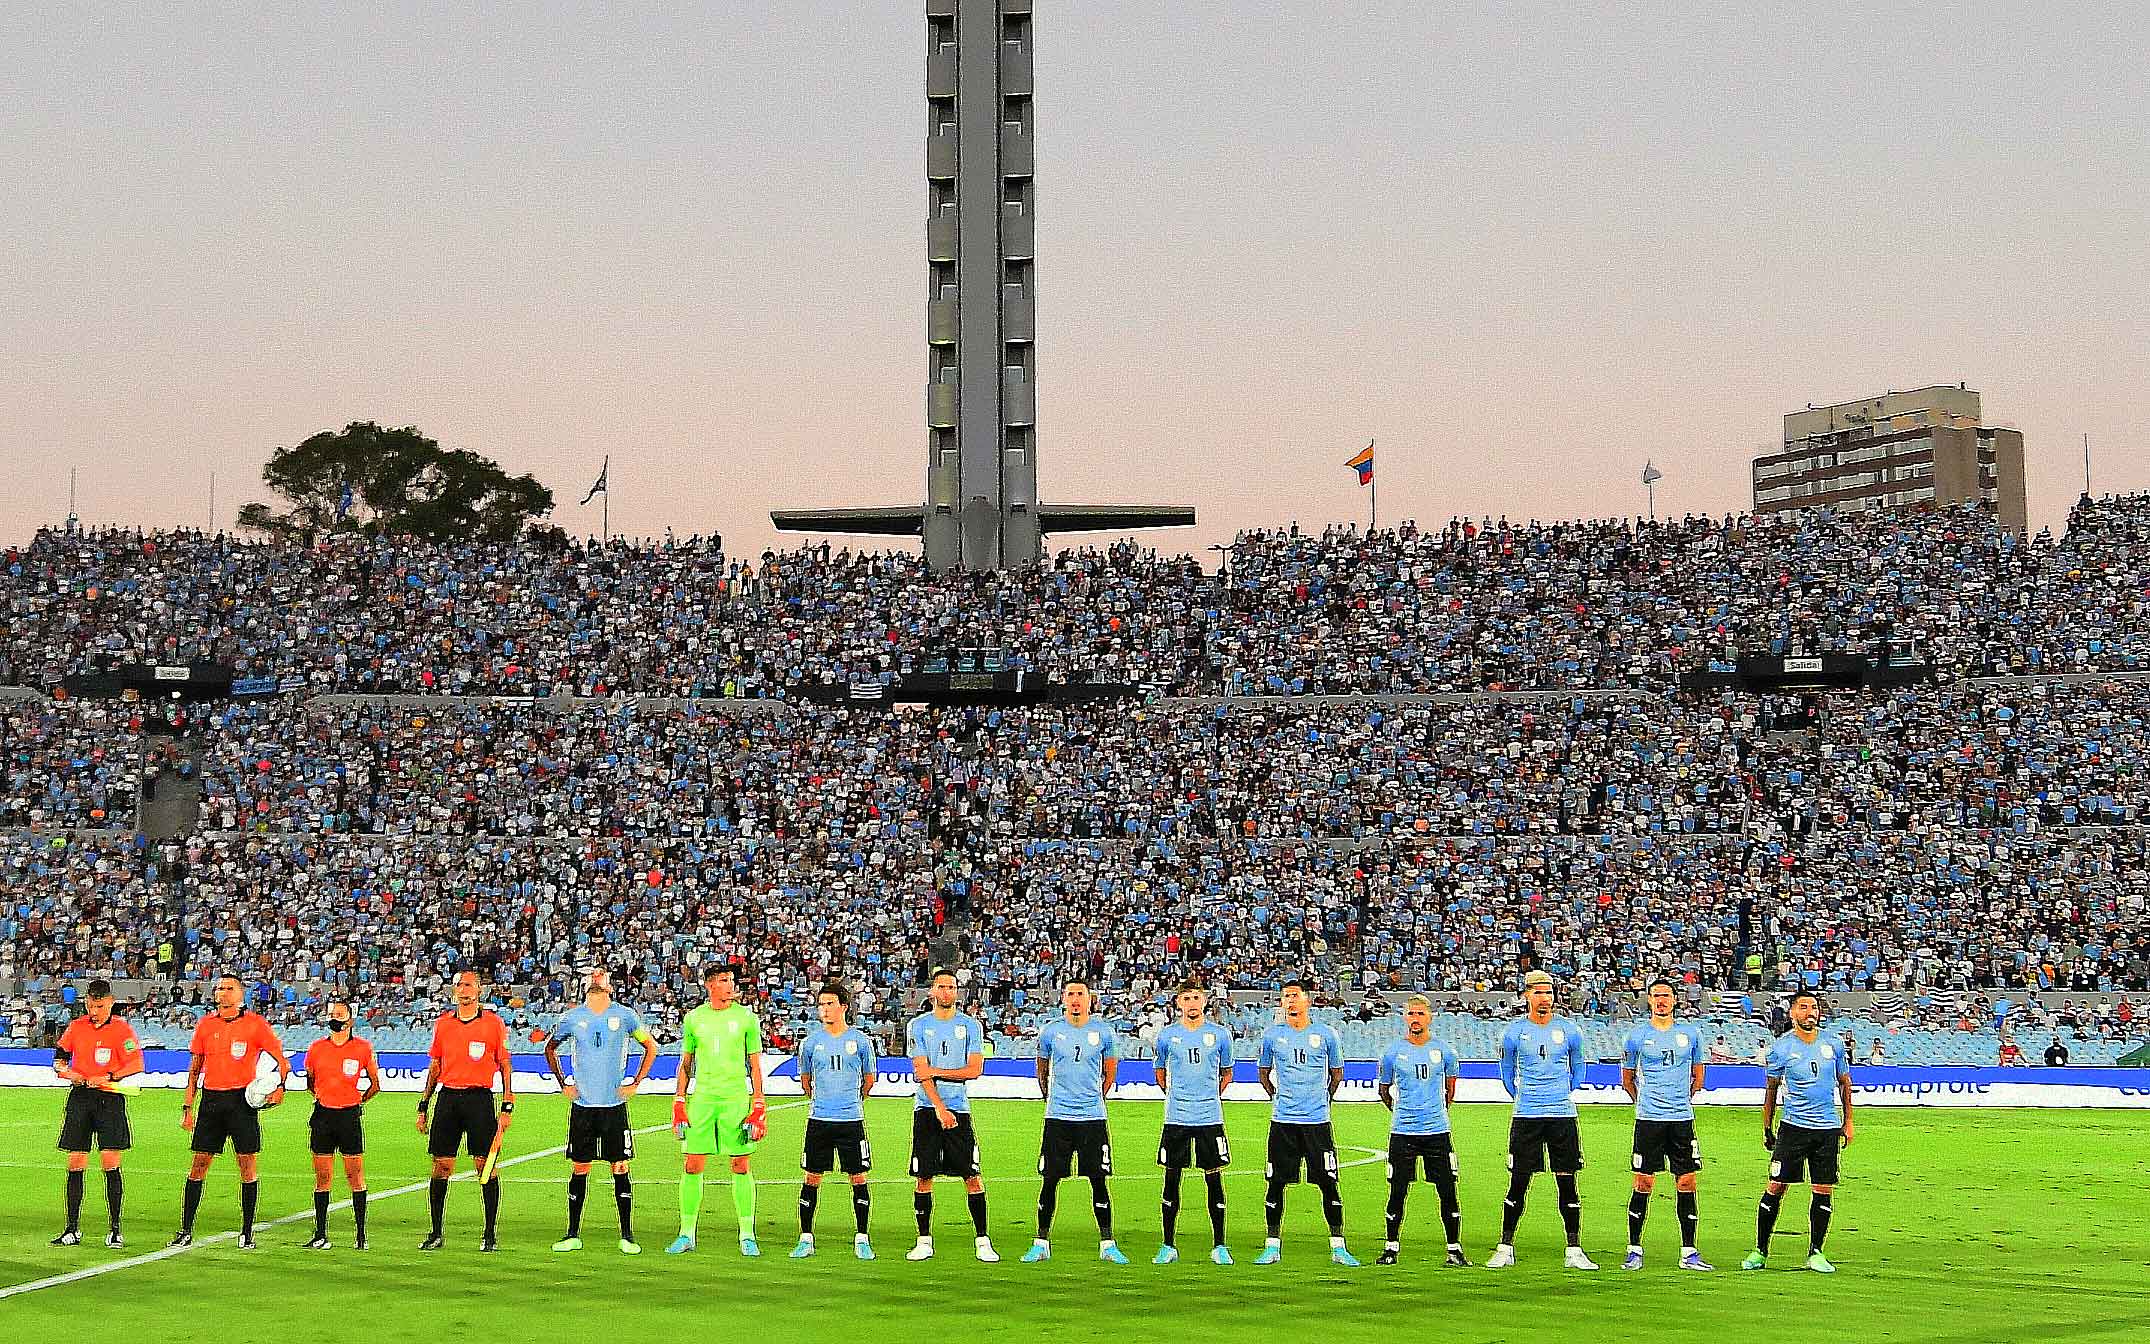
[[720, 1049], [1301, 1063], [597, 1032], [470, 1046], [836, 1070], [225, 1056], [947, 1051], [1814, 1078], [1194, 1066], [1078, 1058], [96, 1051], [1541, 1065], [334, 1066], [1416, 1079], [1661, 1068]]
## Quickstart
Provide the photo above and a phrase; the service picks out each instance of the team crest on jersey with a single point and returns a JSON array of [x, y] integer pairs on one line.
[[1560, 1037], [1093, 1038], [104, 1054], [1313, 1041], [612, 1024], [962, 1032], [350, 1068], [1828, 1052], [238, 1049], [1436, 1058], [851, 1047], [477, 1050], [1208, 1039], [1682, 1039]]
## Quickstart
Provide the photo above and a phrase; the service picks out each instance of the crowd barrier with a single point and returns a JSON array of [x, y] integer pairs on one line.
[[1726, 1084]]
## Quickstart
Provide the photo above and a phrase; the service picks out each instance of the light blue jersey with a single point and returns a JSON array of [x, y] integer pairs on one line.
[[945, 1045], [1075, 1083], [1299, 1060], [1419, 1075], [1807, 1072], [1196, 1061], [1541, 1067], [597, 1044], [1664, 1064], [841, 1066]]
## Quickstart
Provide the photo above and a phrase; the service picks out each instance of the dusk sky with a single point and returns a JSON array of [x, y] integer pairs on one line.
[[1524, 246]]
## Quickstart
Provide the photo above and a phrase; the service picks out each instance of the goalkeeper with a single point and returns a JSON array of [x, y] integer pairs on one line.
[[720, 1048]]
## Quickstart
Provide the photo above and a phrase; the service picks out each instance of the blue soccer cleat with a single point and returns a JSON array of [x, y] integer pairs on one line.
[[680, 1245], [862, 1248], [1112, 1255], [1270, 1254], [1218, 1255], [749, 1247], [1166, 1255], [1038, 1251], [1338, 1255], [804, 1249], [1633, 1261], [1693, 1260]]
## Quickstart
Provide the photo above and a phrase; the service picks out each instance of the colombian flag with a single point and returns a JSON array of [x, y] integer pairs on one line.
[[1364, 465]]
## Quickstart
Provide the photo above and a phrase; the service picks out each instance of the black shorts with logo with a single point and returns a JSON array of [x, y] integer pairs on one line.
[[1805, 1155], [1667, 1143], [223, 1116], [93, 1113], [942, 1152], [462, 1119], [830, 1143], [1075, 1147], [336, 1129], [1539, 1143], [1291, 1144], [1434, 1155], [599, 1134], [1203, 1147]]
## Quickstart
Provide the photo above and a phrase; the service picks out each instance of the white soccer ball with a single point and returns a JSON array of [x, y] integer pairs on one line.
[[264, 1085]]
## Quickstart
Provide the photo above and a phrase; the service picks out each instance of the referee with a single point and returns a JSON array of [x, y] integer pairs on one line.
[[334, 1066], [96, 1051], [226, 1055], [470, 1047]]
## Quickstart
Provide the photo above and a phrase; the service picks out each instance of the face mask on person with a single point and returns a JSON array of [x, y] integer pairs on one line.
[[337, 1023]]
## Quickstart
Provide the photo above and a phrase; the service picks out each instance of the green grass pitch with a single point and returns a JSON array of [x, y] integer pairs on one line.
[[1950, 1226]]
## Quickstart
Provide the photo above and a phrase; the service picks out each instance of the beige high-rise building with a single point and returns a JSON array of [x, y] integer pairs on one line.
[[1905, 450]]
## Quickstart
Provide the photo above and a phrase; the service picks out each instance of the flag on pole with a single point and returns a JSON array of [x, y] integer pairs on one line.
[[1651, 475], [1364, 464], [599, 488]]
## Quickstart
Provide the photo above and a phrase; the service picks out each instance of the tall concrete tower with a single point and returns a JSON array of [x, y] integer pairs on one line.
[[982, 509]]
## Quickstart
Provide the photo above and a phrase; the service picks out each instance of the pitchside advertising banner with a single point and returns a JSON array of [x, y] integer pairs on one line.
[[1728, 1084]]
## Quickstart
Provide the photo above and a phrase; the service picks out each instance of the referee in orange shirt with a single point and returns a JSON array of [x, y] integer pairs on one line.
[[470, 1046], [227, 1049], [334, 1065], [96, 1051]]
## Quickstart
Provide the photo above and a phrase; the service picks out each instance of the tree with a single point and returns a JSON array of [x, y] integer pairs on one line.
[[392, 482]]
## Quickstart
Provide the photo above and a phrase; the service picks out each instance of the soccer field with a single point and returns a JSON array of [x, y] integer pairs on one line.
[[1950, 1225]]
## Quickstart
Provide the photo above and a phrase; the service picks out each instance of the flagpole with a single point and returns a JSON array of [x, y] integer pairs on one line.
[[1373, 501]]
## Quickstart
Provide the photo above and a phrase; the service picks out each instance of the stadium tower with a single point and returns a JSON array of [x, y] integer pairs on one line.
[[981, 510]]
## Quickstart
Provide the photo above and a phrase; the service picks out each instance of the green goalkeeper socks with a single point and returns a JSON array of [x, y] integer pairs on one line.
[[743, 1203], [690, 1201]]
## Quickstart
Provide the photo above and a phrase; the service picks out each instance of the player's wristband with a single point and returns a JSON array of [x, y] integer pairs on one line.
[[507, 1108], [422, 1104]]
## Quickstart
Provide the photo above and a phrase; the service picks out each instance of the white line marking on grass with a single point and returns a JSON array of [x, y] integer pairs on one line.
[[373, 1197]]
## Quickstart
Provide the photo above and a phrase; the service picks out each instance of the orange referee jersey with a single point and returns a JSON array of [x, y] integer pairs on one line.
[[109, 1051], [333, 1071], [470, 1053], [231, 1051]]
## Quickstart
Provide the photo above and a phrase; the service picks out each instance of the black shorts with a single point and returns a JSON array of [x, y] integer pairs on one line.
[[1667, 1143], [462, 1118], [1200, 1146], [1806, 1156], [93, 1113], [1291, 1144], [223, 1116], [1430, 1157], [1074, 1147], [336, 1129], [599, 1134], [833, 1142], [1548, 1142], [942, 1152]]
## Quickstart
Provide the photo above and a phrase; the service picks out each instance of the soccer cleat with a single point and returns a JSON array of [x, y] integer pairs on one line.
[[1754, 1260], [1038, 1251], [749, 1247], [1112, 1255], [247, 1244], [1166, 1255], [862, 1248], [1339, 1256], [804, 1249], [986, 1253], [1693, 1260], [1387, 1257], [181, 1239], [1575, 1259], [488, 1243], [1271, 1253], [358, 1243], [68, 1238], [680, 1245], [1218, 1255], [568, 1244], [1503, 1257], [1819, 1263], [922, 1251], [1633, 1261], [115, 1242], [316, 1242], [629, 1247], [1456, 1259], [433, 1242]]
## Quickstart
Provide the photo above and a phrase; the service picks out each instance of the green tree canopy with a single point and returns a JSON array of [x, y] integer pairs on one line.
[[400, 483]]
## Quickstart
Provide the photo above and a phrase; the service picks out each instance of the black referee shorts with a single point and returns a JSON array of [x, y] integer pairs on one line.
[[335, 1129], [1074, 1147], [94, 1114], [462, 1118], [224, 1117]]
